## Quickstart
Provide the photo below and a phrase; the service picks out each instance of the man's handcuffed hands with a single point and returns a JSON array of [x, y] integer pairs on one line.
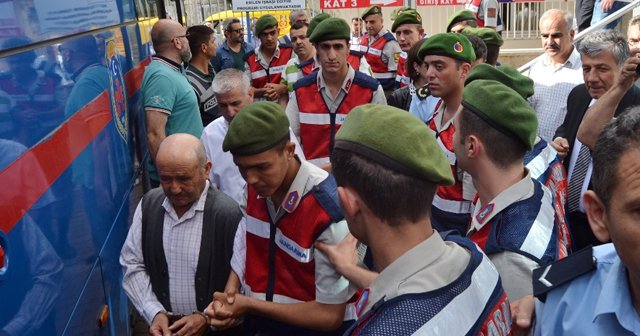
[[226, 310]]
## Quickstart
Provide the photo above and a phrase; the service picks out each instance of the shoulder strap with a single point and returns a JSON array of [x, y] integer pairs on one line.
[[562, 271], [326, 192], [306, 80], [366, 81]]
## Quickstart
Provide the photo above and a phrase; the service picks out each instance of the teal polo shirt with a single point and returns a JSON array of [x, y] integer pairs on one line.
[[166, 88]]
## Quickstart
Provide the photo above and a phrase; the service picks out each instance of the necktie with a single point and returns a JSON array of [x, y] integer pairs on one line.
[[577, 178]]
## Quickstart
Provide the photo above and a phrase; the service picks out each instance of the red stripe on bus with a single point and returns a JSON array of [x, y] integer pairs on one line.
[[54, 155], [51, 158]]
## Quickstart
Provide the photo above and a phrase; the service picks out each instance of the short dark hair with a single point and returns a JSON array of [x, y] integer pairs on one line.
[[617, 137], [298, 25], [412, 57], [390, 195], [479, 47], [228, 24], [503, 150], [493, 51], [356, 18], [197, 35]]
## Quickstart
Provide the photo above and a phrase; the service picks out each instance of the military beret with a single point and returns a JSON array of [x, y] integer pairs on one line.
[[264, 22], [510, 77], [488, 35], [331, 29], [257, 128], [398, 11], [448, 44], [375, 9], [502, 108], [315, 21], [407, 16], [459, 16], [416, 153]]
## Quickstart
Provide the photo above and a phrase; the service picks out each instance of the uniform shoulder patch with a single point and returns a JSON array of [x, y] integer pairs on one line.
[[556, 274], [366, 80], [389, 36], [306, 80]]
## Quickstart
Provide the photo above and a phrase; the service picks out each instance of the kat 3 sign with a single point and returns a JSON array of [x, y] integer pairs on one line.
[[339, 4]]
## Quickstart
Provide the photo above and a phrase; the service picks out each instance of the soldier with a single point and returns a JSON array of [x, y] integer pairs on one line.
[[408, 29], [380, 48], [322, 100], [385, 187], [266, 63]]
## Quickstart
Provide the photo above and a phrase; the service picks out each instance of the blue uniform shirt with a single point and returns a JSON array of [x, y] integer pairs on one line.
[[597, 303]]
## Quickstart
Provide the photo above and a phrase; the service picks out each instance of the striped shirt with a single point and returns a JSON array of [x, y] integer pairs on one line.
[[201, 84]]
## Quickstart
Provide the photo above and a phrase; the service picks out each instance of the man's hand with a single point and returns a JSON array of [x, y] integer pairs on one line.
[[561, 145], [160, 325], [522, 315], [606, 5], [343, 256], [224, 311], [190, 325], [628, 74]]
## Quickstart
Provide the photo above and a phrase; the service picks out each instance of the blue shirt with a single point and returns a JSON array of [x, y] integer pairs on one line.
[[597, 303], [224, 57]]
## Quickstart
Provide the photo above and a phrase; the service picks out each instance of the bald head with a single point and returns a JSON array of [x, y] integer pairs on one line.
[[163, 32], [182, 147]]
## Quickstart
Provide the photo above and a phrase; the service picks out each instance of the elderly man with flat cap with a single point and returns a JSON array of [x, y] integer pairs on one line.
[[514, 217], [322, 100], [428, 281], [380, 48], [289, 287], [408, 29], [266, 63]]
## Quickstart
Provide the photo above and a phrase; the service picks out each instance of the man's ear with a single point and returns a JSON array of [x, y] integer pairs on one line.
[[349, 201], [596, 213]]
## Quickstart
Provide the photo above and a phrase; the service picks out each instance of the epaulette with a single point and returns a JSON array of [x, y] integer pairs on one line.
[[356, 53], [389, 36], [365, 80], [285, 46], [306, 80], [556, 274]]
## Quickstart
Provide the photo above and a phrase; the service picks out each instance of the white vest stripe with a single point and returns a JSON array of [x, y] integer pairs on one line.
[[460, 207], [540, 163], [258, 74], [384, 75], [450, 155], [319, 161], [286, 244], [467, 306], [374, 51], [540, 234], [277, 69], [320, 118]]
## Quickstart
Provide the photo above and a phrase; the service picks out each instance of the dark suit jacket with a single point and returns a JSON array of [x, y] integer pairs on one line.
[[577, 105]]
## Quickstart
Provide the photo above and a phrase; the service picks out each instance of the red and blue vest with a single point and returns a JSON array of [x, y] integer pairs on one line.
[[353, 58], [373, 54], [318, 126], [280, 264], [402, 76], [261, 76]]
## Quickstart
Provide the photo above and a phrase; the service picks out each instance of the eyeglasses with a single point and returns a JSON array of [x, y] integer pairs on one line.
[[237, 31], [185, 36]]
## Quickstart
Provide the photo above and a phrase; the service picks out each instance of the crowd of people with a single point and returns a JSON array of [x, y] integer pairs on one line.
[[388, 183]]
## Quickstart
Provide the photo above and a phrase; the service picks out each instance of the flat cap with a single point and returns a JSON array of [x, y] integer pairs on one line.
[[375, 9], [315, 21], [257, 128], [488, 35], [264, 22], [458, 16], [510, 77], [331, 29], [406, 16], [416, 153], [502, 108], [448, 44]]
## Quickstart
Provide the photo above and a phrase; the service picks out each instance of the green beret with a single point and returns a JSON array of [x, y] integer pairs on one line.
[[416, 153], [407, 16], [448, 44], [264, 22], [510, 77], [488, 35], [257, 128], [398, 11], [314, 22], [375, 9], [331, 29], [458, 16], [502, 108]]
